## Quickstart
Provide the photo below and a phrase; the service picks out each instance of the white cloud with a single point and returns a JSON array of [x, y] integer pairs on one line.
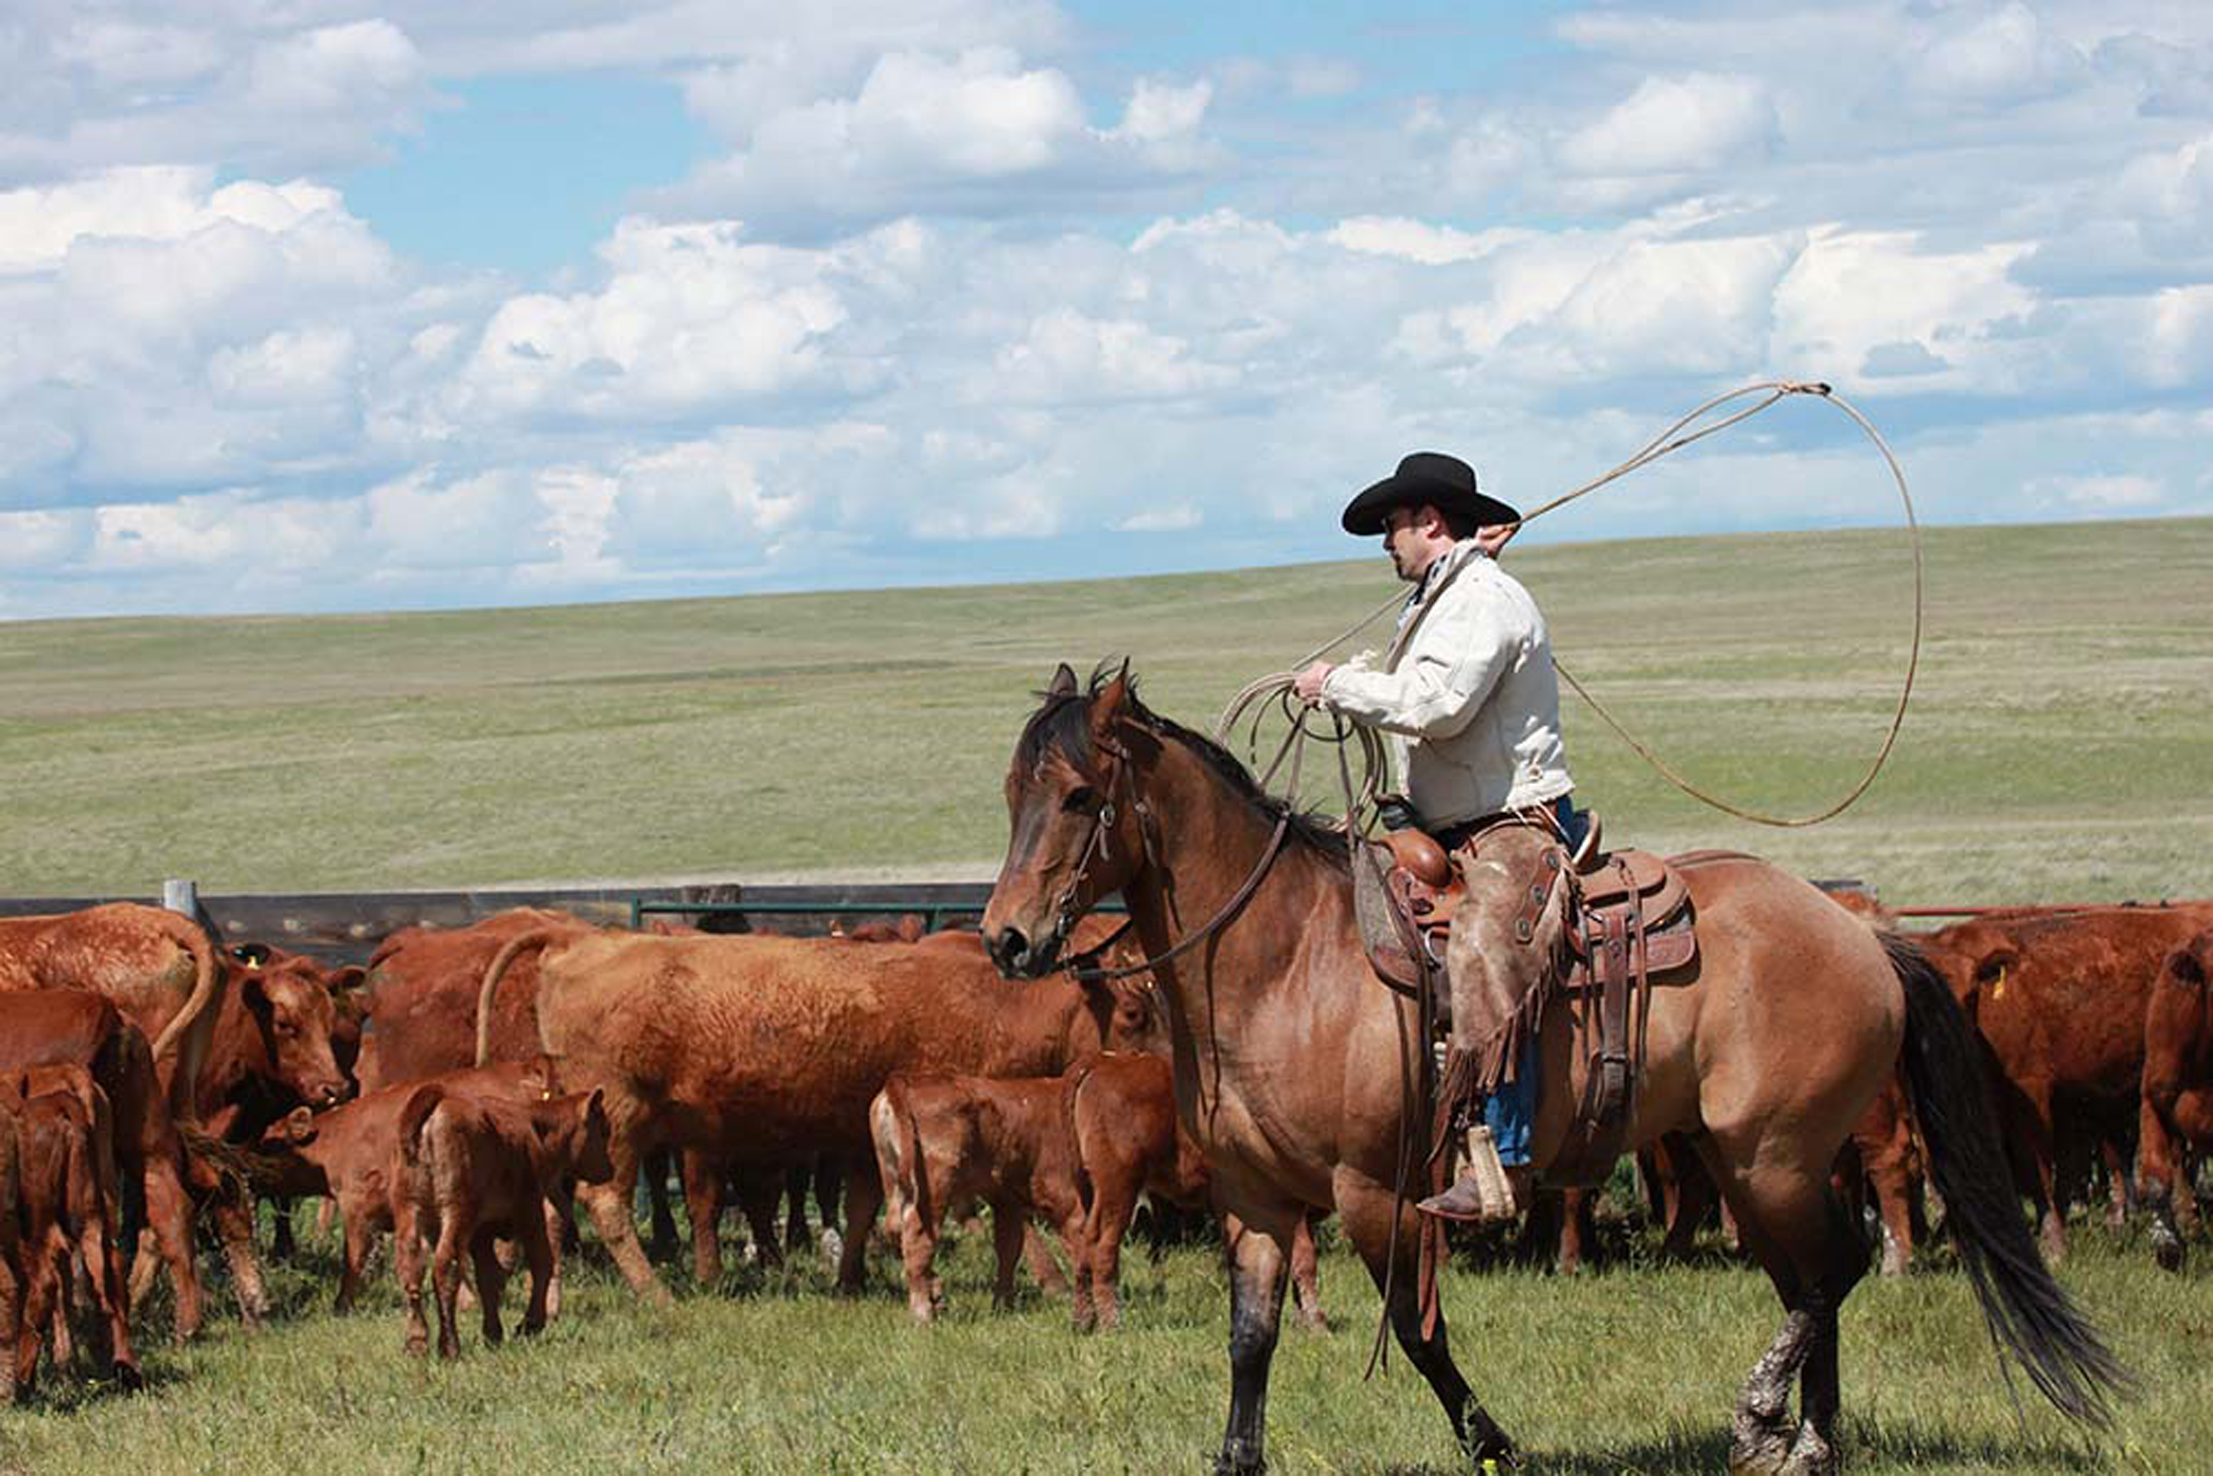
[[1178, 518], [1070, 358], [690, 318], [1675, 125], [2004, 56], [977, 133]]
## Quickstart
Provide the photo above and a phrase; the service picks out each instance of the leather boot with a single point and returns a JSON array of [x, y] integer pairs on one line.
[[1486, 1189]]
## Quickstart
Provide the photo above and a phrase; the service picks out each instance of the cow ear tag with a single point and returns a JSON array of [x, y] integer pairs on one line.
[[1998, 990]]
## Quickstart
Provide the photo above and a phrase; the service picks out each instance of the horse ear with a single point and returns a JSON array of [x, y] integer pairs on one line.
[[1063, 683], [1106, 708]]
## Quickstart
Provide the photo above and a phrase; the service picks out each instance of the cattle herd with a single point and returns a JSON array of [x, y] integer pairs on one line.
[[471, 1086]]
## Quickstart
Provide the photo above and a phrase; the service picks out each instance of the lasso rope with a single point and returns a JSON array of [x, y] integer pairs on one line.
[[1674, 438]]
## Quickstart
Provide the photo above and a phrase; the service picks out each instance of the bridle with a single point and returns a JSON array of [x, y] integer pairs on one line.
[[1117, 781]]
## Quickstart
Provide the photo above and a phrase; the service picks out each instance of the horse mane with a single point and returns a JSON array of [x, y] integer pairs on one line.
[[1063, 724]]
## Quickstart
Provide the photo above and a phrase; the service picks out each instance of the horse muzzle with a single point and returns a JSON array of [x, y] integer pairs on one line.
[[1019, 956]]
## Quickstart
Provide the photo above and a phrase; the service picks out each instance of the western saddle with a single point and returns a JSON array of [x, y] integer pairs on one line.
[[1626, 917]]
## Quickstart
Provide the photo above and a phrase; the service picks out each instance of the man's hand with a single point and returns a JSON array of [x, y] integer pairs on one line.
[[1492, 537], [1308, 683]]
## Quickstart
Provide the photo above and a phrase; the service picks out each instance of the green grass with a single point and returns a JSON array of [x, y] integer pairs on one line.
[[2057, 747], [1628, 1370]]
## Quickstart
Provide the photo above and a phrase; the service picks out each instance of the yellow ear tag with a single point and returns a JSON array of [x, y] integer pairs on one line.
[[253, 965], [1998, 990]]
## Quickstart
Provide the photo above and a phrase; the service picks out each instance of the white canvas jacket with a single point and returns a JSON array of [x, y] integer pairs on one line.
[[1467, 693]]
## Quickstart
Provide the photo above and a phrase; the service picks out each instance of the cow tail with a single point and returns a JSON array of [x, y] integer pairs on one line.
[[535, 938], [891, 1152], [420, 1104], [909, 1145], [2028, 1313], [207, 980], [1078, 1075]]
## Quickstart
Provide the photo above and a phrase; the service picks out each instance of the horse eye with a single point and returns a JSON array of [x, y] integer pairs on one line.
[[1083, 797]]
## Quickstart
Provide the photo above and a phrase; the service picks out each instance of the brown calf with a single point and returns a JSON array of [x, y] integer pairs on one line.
[[468, 1171], [1076, 1152], [346, 1153], [64, 1174], [68, 1027], [945, 1142]]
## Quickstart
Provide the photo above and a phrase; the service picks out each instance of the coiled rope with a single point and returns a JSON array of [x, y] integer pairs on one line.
[[1361, 797]]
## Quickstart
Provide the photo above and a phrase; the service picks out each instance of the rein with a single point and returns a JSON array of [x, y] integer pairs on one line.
[[1101, 824]]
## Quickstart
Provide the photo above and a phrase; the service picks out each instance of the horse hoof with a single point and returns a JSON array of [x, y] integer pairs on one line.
[[1488, 1447], [1812, 1455], [1759, 1451], [2166, 1248]]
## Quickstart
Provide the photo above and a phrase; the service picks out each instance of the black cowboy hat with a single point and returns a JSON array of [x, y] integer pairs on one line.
[[1426, 476]]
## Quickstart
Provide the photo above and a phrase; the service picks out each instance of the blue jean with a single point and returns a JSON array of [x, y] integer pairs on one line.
[[1509, 1111]]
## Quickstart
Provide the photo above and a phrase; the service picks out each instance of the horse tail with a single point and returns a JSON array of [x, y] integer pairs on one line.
[[535, 938], [2028, 1313]]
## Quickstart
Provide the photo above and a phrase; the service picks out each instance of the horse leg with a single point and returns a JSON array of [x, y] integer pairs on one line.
[[1257, 1262], [1367, 1210], [1792, 1224]]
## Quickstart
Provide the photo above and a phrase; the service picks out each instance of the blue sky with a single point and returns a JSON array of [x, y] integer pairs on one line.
[[399, 305]]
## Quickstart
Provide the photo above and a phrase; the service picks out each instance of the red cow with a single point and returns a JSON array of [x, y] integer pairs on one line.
[[767, 1051], [2178, 1088], [346, 1153], [421, 996], [271, 1050], [2059, 998], [65, 1167], [468, 1171], [157, 967], [66, 1027]]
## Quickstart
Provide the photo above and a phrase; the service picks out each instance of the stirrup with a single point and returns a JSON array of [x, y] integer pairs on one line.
[[1489, 1174], [1483, 1192]]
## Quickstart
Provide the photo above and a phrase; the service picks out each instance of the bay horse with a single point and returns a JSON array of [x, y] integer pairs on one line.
[[1291, 1067]]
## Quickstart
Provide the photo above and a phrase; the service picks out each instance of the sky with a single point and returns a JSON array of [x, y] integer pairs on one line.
[[322, 306]]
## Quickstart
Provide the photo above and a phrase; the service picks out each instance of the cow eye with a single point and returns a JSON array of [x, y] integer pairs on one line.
[[1082, 799]]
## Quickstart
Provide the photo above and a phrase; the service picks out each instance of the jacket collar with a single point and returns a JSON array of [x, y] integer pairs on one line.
[[1435, 580]]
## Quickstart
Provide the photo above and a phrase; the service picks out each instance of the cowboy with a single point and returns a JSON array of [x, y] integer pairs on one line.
[[1471, 705]]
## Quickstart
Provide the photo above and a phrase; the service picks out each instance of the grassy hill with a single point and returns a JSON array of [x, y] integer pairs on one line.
[[2058, 746]]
